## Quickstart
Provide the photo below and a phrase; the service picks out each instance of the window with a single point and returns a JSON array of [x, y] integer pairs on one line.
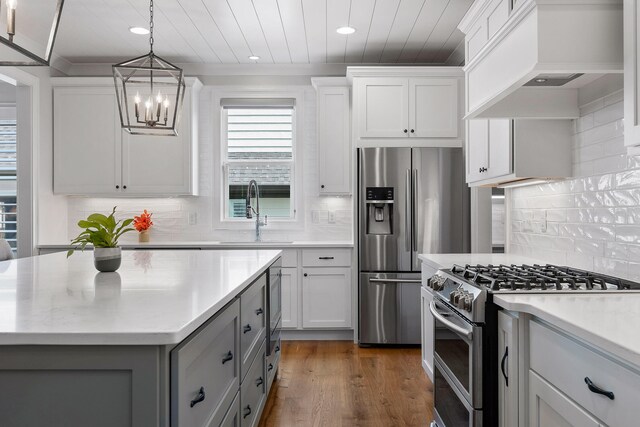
[[8, 199], [258, 143]]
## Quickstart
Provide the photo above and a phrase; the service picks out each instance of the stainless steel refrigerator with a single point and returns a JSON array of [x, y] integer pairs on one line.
[[410, 201]]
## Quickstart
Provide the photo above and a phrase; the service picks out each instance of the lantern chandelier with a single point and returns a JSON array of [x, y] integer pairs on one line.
[[150, 92], [18, 46]]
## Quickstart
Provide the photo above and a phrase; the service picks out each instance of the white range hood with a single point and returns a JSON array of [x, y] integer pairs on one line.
[[534, 64]]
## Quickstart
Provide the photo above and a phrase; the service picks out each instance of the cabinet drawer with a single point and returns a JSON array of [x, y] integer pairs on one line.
[[254, 390], [326, 258], [253, 315], [206, 361], [566, 363], [273, 360], [289, 258], [232, 417]]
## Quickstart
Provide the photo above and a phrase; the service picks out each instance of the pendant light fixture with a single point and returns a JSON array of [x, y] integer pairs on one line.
[[150, 92], [21, 55]]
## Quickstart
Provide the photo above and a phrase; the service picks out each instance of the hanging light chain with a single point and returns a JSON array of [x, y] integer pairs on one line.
[[151, 25]]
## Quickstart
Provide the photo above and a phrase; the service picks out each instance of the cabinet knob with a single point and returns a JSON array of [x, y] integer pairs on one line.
[[246, 329], [413, 131], [406, 131], [305, 274], [124, 187], [259, 382], [270, 367], [117, 187], [199, 398], [227, 357], [322, 186], [247, 412], [259, 312]]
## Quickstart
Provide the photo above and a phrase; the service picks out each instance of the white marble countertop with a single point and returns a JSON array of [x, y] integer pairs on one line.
[[607, 321], [156, 297], [209, 244], [437, 261]]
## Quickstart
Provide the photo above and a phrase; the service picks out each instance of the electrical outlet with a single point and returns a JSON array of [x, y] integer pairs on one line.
[[193, 218], [332, 217]]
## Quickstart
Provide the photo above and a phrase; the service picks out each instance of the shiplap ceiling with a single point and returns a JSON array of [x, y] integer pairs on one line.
[[278, 31]]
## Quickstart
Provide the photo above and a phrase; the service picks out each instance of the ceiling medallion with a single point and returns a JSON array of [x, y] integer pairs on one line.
[[18, 43], [150, 92]]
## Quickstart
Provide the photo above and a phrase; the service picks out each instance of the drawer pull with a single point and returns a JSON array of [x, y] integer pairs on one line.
[[259, 382], [259, 312], [277, 348], [504, 359], [270, 367], [325, 257], [595, 389], [246, 329], [227, 357], [247, 412], [199, 398]]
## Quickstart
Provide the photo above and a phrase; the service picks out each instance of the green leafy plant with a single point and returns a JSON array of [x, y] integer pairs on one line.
[[100, 231]]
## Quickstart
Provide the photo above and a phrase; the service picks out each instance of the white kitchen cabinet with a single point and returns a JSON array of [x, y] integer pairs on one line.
[[631, 76], [427, 331], [548, 407], [290, 298], [407, 106], [503, 151], [93, 156], [334, 135], [326, 297], [507, 369]]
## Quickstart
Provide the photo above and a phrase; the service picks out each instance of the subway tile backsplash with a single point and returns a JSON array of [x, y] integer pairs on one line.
[[593, 220]]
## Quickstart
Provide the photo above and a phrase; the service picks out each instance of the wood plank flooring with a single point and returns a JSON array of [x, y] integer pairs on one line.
[[337, 383]]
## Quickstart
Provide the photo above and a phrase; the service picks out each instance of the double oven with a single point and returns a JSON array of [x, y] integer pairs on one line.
[[465, 379], [274, 305]]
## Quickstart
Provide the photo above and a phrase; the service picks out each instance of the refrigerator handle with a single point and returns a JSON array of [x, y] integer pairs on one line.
[[414, 213], [407, 212]]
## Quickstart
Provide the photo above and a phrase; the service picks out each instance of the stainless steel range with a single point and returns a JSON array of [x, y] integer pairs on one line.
[[466, 333]]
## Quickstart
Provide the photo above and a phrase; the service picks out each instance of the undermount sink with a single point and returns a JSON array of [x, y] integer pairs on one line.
[[262, 242]]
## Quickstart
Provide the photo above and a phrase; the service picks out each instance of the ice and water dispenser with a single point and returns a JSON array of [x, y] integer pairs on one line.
[[379, 216]]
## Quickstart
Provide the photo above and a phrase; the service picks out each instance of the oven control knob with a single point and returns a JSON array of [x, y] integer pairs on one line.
[[436, 283], [465, 302]]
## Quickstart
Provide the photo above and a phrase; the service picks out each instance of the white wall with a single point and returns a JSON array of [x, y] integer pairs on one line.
[[593, 220], [171, 216]]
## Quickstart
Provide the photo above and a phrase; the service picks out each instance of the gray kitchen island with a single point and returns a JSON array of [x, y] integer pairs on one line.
[[173, 338]]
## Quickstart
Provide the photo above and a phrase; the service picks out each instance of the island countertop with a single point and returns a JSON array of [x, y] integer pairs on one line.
[[155, 298]]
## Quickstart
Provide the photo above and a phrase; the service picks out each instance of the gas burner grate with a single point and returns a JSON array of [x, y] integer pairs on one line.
[[539, 278]]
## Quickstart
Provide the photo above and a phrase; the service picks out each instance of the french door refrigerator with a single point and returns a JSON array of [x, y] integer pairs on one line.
[[410, 201]]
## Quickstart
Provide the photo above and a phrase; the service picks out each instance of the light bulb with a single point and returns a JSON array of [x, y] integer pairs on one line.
[[136, 98], [12, 4], [159, 97], [149, 103], [166, 102]]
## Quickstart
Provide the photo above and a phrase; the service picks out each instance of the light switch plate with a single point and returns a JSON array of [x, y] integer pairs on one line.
[[332, 217]]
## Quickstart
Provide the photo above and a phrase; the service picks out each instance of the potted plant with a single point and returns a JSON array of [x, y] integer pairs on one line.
[[143, 223], [103, 233]]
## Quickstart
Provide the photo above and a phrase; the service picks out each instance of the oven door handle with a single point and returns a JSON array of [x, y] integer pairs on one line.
[[395, 280], [448, 323]]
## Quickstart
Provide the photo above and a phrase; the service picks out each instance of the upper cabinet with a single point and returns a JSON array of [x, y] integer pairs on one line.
[[334, 135], [407, 106], [631, 76], [527, 59], [511, 152], [93, 156]]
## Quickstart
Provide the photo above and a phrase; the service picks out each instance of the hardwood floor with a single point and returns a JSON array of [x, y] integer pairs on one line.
[[337, 383]]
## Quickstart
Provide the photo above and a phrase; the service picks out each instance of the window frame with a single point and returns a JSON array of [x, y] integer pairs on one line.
[[220, 204]]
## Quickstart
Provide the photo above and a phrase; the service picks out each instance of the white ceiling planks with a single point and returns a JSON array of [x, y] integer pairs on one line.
[[278, 31], [315, 24]]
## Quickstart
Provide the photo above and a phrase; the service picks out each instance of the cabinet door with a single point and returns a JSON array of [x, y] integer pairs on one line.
[[383, 107], [507, 369], [86, 141], [477, 148], [289, 282], [326, 298], [433, 108], [631, 73], [427, 332], [334, 140], [548, 407], [160, 165], [500, 148]]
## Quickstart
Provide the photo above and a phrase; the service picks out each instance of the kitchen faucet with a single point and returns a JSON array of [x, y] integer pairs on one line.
[[250, 211]]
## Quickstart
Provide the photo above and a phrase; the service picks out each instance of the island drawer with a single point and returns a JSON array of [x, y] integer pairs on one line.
[[337, 257], [253, 316], [254, 390], [272, 363], [566, 363], [232, 418], [205, 371]]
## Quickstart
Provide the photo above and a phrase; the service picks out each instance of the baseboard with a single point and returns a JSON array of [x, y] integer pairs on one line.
[[428, 371], [307, 335]]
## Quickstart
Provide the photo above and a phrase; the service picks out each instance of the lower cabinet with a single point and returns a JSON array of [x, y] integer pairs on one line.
[[253, 391], [548, 407], [508, 369], [326, 297], [289, 297], [232, 418], [427, 332]]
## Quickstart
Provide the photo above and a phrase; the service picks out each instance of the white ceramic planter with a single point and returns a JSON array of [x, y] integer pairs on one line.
[[107, 259]]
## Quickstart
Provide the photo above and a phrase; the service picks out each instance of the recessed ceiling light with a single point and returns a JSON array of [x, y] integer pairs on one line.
[[254, 57], [139, 30], [346, 30], [541, 80]]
